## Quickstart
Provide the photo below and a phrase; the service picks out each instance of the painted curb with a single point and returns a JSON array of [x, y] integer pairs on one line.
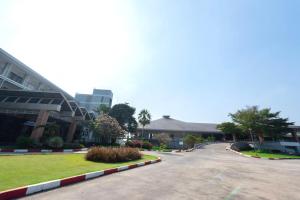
[[41, 150], [229, 149], [40, 187]]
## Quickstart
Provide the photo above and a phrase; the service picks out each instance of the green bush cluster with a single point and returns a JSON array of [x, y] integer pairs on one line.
[[190, 140], [25, 142], [139, 144], [55, 142], [112, 154]]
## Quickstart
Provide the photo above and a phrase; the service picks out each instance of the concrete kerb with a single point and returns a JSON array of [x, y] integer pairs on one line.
[[40, 187], [41, 150], [248, 156]]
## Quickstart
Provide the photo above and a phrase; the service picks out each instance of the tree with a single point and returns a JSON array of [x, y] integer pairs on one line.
[[102, 109], [230, 128], [144, 118], [190, 140], [163, 138], [123, 113], [107, 128], [262, 122]]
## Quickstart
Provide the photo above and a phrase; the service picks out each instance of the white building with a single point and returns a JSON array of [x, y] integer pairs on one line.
[[92, 101]]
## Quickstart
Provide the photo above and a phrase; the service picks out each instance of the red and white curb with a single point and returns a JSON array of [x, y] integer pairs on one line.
[[31, 189], [245, 155], [41, 150]]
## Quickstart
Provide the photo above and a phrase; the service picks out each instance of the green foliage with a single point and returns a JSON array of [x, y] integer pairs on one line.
[[24, 142], [107, 128], [134, 143], [112, 155], [55, 142], [147, 145], [190, 140], [210, 139], [102, 109], [261, 122], [163, 138], [73, 146], [123, 113], [264, 154], [144, 117], [230, 128]]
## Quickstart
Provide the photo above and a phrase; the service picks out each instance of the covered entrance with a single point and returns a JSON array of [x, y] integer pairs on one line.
[[27, 112]]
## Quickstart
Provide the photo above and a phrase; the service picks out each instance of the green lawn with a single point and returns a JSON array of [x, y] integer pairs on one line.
[[21, 170], [268, 155]]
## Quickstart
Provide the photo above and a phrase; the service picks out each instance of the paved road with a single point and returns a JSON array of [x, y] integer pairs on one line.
[[209, 173]]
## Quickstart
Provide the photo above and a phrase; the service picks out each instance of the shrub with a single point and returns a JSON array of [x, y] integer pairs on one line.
[[241, 146], [112, 154], [210, 139], [73, 146], [163, 138], [55, 142], [24, 142], [190, 140], [147, 145], [129, 143], [134, 143]]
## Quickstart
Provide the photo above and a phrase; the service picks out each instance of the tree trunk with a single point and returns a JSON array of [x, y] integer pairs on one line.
[[261, 138], [234, 137]]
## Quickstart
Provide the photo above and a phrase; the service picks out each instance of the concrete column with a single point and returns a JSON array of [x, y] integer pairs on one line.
[[71, 131], [41, 120]]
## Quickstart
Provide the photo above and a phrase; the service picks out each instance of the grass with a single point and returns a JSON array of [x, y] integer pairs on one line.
[[268, 155], [21, 170]]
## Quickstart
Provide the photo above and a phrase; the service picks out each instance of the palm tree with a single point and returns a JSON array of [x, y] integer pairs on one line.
[[102, 109], [144, 118]]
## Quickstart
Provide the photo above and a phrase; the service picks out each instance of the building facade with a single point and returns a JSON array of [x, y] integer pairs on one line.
[[92, 101], [28, 102], [177, 129]]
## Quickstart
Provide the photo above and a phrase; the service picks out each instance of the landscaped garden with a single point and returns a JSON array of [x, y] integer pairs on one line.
[[21, 170], [268, 155]]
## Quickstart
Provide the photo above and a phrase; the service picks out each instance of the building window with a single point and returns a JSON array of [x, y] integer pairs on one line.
[[15, 77]]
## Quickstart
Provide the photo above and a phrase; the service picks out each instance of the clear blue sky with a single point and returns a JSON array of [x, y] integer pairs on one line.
[[194, 60]]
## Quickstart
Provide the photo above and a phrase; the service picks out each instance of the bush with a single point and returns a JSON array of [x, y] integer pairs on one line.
[[190, 140], [24, 142], [112, 154], [241, 146], [134, 143], [55, 142], [210, 139], [147, 145], [73, 146], [129, 143]]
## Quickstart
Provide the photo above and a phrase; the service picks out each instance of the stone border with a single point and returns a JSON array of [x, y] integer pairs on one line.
[[45, 186], [41, 150], [229, 149]]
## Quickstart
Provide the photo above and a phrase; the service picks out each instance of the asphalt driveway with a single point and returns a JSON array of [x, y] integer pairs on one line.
[[208, 173]]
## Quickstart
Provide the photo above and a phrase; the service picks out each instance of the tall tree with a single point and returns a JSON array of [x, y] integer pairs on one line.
[[102, 109], [144, 118], [261, 122], [231, 129], [107, 128], [123, 113]]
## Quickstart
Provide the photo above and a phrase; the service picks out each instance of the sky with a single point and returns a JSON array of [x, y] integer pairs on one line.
[[194, 60]]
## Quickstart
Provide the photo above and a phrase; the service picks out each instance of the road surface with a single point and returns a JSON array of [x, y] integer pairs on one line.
[[209, 173]]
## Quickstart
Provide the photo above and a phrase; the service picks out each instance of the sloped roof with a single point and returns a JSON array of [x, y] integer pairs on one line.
[[168, 124]]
